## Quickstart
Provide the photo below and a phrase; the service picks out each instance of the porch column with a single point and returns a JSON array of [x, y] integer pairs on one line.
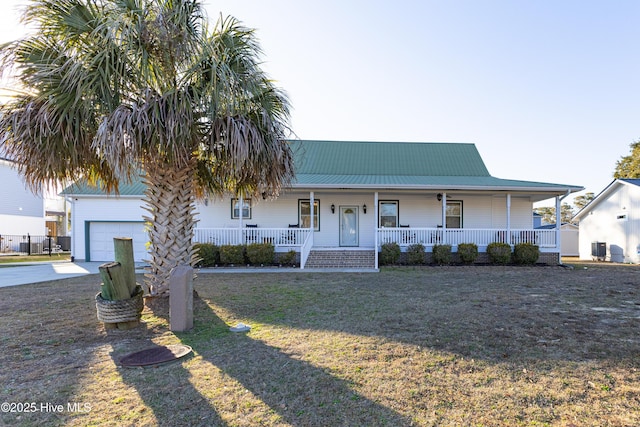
[[444, 211], [508, 218], [558, 221], [375, 226], [311, 224], [444, 218], [240, 206]]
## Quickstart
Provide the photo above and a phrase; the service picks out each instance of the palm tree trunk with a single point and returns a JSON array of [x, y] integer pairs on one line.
[[170, 201]]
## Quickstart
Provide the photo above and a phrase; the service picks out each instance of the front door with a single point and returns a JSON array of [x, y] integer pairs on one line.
[[348, 226]]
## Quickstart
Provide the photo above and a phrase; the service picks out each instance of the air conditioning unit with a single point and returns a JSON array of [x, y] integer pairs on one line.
[[598, 251]]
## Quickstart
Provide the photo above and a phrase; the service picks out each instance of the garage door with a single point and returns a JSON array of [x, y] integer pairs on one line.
[[101, 236]]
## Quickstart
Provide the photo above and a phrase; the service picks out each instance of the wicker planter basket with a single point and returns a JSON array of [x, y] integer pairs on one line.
[[121, 311]]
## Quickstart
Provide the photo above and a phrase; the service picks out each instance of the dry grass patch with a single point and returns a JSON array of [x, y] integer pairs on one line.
[[426, 346]]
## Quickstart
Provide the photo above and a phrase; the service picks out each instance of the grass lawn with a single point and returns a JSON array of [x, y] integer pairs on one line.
[[6, 259], [430, 346]]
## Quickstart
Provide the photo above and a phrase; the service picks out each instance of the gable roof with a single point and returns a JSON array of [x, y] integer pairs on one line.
[[385, 165], [608, 190], [437, 166], [387, 158]]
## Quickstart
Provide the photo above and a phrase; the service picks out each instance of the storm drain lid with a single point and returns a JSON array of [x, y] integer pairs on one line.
[[156, 355]]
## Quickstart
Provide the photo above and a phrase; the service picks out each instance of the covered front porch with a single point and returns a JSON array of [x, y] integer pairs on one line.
[[365, 220], [301, 239]]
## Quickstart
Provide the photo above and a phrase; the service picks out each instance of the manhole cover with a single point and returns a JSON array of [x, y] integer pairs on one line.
[[156, 355]]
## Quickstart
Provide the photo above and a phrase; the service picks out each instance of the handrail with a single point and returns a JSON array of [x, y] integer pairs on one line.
[[305, 250]]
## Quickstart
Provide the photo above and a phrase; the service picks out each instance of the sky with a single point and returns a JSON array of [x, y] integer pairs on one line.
[[547, 90]]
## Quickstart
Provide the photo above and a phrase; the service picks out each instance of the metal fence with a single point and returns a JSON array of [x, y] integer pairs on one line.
[[12, 244]]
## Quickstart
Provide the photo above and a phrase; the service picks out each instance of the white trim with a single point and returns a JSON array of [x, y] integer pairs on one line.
[[435, 187]]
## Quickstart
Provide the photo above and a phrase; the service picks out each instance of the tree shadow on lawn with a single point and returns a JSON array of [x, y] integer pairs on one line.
[[258, 383], [491, 313], [166, 388]]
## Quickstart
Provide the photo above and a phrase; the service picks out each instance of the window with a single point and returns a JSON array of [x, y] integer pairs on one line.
[[235, 208], [454, 214], [304, 214], [388, 213]]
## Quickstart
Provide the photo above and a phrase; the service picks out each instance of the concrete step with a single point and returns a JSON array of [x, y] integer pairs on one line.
[[341, 259]]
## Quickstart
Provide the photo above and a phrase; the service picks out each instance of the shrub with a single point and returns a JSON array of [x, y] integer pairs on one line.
[[208, 253], [499, 253], [389, 253], [287, 258], [415, 254], [526, 253], [232, 254], [442, 254], [260, 253], [468, 252]]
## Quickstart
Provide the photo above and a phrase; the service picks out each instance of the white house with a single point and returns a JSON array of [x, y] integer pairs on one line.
[[21, 211], [348, 198], [610, 223]]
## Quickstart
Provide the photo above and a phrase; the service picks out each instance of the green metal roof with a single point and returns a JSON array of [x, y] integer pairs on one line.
[[387, 158], [443, 166], [433, 182], [391, 165], [83, 188]]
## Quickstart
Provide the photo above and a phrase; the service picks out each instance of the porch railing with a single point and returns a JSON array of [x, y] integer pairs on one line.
[[279, 237], [454, 236], [299, 239]]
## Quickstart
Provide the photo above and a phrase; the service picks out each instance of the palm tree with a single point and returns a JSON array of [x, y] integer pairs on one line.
[[114, 88]]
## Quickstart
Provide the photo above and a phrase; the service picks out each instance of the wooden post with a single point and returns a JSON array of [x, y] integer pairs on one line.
[[113, 281], [123, 249]]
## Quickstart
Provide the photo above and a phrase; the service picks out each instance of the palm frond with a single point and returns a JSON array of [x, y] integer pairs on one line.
[[113, 87]]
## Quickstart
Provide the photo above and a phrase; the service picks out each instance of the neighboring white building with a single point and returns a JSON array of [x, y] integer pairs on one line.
[[21, 211], [347, 197], [611, 221], [57, 213]]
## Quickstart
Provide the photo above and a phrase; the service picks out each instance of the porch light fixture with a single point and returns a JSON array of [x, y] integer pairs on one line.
[[333, 208], [364, 208], [439, 197]]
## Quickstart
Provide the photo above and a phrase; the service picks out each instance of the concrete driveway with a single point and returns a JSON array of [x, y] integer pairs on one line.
[[25, 273], [33, 272]]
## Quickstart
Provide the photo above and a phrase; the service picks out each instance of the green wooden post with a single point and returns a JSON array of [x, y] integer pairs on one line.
[[123, 249], [107, 289], [113, 281]]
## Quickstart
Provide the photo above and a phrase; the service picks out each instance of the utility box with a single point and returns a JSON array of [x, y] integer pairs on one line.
[[599, 250], [64, 242], [31, 248]]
